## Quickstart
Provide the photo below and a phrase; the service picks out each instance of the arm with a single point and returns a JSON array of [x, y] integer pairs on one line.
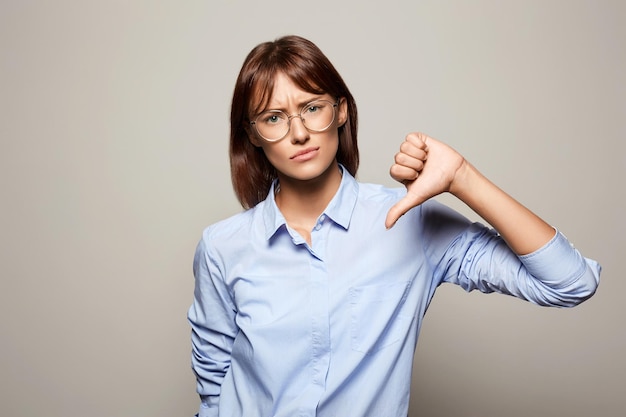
[[526, 258], [212, 319]]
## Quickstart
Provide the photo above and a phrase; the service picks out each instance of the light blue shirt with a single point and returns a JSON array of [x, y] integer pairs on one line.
[[284, 329]]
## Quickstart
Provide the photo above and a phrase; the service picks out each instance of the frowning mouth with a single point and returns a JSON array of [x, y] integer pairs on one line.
[[305, 154]]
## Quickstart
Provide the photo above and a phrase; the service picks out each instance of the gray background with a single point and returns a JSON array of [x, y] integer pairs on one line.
[[113, 126]]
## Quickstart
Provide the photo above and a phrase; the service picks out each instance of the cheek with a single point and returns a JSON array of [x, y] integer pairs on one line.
[[273, 152]]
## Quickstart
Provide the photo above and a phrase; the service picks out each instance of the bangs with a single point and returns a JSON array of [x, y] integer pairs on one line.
[[262, 84]]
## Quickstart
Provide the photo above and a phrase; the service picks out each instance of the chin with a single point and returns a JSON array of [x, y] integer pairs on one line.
[[310, 172]]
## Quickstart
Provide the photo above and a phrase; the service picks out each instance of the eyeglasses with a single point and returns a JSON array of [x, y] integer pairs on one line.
[[317, 116]]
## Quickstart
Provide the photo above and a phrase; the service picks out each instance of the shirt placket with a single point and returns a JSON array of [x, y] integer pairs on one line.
[[320, 320]]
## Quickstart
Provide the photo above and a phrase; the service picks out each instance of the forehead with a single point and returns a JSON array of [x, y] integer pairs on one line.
[[282, 90], [285, 90]]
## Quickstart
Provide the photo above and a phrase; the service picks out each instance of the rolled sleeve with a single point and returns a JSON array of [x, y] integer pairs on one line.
[[561, 267], [555, 275]]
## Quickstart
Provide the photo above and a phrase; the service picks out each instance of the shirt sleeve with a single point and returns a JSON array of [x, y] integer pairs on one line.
[[477, 258], [212, 320]]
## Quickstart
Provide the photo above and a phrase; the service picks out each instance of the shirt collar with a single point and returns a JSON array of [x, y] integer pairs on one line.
[[338, 210]]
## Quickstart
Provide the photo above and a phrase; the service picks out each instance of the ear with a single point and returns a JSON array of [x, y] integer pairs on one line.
[[342, 112]]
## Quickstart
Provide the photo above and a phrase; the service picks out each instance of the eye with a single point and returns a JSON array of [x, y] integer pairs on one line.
[[313, 108], [271, 118]]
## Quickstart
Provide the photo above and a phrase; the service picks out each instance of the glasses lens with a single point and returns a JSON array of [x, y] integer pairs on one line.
[[272, 124], [318, 115]]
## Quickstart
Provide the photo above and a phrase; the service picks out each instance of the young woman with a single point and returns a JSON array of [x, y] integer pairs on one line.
[[309, 302]]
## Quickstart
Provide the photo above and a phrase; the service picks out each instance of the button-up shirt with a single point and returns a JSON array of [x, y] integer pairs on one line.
[[281, 328]]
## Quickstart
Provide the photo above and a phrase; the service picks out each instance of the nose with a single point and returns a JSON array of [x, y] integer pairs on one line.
[[299, 132]]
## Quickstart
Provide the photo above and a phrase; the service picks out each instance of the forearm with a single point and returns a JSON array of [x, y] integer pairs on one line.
[[523, 230]]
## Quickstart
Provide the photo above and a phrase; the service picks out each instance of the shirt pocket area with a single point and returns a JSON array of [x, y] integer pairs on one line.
[[276, 300], [377, 319]]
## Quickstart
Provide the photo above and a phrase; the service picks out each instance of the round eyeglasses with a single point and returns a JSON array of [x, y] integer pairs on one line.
[[316, 116]]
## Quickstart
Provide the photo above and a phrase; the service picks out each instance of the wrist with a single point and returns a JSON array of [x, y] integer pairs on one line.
[[462, 182]]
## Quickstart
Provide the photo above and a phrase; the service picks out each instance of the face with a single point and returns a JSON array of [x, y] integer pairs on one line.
[[301, 155]]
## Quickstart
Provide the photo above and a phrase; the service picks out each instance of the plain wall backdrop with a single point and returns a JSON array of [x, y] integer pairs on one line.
[[113, 158]]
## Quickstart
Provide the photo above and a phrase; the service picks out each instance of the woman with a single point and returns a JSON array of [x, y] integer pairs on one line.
[[309, 303]]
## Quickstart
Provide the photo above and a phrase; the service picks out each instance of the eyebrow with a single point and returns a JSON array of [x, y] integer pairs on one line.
[[300, 104]]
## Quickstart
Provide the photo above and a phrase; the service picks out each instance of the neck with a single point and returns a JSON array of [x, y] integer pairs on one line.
[[302, 202]]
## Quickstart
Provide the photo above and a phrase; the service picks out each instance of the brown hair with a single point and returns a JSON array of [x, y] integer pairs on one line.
[[305, 64]]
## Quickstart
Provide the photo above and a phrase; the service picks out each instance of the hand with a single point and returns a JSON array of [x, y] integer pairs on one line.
[[427, 168]]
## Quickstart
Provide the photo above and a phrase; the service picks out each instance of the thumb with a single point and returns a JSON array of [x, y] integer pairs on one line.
[[405, 204]]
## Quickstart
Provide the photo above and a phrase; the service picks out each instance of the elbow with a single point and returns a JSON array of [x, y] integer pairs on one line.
[[585, 286], [584, 294]]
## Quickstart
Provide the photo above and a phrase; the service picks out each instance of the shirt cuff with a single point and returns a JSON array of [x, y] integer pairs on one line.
[[207, 410]]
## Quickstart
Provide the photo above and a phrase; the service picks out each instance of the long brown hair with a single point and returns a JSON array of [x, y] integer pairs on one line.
[[305, 64]]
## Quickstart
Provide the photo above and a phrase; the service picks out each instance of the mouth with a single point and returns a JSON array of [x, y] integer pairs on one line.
[[305, 154]]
